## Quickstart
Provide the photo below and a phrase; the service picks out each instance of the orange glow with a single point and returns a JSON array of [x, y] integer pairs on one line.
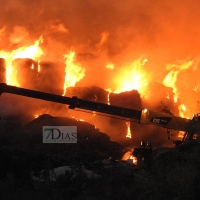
[[41, 112], [131, 76], [104, 37], [77, 119], [110, 66], [32, 52], [181, 134], [74, 72]]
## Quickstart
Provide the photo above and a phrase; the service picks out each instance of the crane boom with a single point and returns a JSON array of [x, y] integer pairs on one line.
[[140, 116], [191, 127], [73, 102]]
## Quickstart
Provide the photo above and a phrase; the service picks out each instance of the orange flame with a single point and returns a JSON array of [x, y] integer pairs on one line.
[[74, 72], [128, 134], [134, 159], [129, 157], [171, 77], [32, 52], [182, 109], [131, 76]]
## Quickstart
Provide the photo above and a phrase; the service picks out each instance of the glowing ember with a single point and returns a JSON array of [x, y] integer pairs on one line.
[[167, 96], [74, 72], [32, 66], [77, 119], [128, 134], [181, 134], [41, 112], [94, 113]]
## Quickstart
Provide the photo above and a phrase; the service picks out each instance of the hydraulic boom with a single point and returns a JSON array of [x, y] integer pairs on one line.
[[143, 116]]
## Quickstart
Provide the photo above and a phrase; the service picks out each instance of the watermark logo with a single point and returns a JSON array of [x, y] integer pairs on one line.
[[59, 134]]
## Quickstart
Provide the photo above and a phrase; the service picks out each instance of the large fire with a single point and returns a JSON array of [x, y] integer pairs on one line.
[[171, 78], [131, 76], [171, 81], [74, 72], [120, 46]]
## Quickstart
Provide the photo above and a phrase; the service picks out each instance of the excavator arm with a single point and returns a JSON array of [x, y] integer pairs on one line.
[[73, 102]]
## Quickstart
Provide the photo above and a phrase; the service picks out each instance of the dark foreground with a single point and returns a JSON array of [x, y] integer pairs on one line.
[[26, 167]]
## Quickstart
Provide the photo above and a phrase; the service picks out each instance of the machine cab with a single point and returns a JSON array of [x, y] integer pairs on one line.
[[193, 132]]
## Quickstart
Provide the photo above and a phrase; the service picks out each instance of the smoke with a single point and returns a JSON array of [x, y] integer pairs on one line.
[[105, 32], [142, 26]]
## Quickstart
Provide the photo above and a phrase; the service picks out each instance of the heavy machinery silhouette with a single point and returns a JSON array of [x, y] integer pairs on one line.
[[190, 127]]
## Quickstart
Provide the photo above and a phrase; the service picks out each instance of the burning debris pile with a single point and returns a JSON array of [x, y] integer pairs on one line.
[[44, 76]]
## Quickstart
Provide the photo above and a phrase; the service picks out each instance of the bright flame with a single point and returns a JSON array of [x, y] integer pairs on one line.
[[182, 110], [74, 72], [129, 157], [131, 76], [171, 77], [108, 97], [110, 66], [134, 159], [39, 67], [128, 134], [32, 52]]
